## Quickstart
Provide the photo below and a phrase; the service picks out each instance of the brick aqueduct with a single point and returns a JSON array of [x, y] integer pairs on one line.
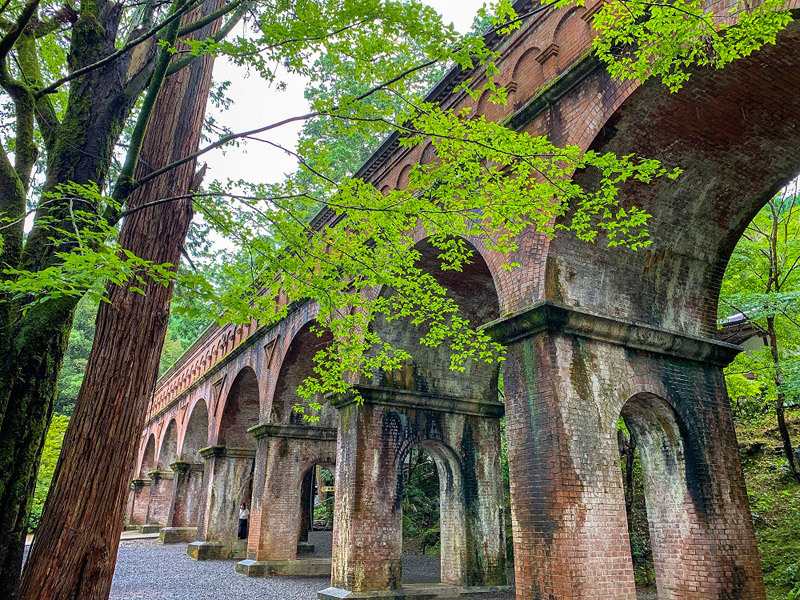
[[592, 335]]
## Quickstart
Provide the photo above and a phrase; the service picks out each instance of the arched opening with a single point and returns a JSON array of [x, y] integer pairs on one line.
[[190, 471], [432, 511], [661, 481], [196, 436], [636, 511], [297, 364], [429, 370], [421, 512], [168, 452], [316, 511], [241, 411], [148, 457]]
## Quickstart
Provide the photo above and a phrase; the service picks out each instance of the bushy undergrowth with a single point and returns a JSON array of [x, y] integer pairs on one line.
[[774, 502]]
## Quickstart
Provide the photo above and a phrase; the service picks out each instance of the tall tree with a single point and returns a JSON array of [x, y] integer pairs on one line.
[[762, 285], [75, 547]]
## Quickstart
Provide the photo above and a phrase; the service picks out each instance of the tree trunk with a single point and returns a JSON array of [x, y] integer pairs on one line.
[[780, 398], [75, 548], [33, 344], [42, 343]]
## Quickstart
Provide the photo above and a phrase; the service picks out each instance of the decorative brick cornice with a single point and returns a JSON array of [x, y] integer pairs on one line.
[[297, 432], [220, 451], [547, 316], [547, 54], [420, 401], [139, 482], [555, 90], [157, 474]]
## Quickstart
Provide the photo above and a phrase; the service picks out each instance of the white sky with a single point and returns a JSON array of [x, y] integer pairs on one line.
[[255, 103]]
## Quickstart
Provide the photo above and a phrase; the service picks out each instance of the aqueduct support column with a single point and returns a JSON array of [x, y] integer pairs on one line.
[[228, 482], [463, 437], [141, 498], [289, 453], [569, 376], [160, 499], [186, 498]]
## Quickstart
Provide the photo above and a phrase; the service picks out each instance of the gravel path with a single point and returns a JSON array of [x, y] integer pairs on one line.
[[147, 570]]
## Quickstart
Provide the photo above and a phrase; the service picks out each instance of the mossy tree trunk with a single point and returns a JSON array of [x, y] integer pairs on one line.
[[75, 548], [34, 341]]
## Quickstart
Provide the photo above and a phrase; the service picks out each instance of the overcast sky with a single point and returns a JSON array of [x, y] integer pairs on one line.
[[255, 103]]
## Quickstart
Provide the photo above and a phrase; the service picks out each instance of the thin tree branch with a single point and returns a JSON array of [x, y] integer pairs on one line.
[[115, 55], [8, 41], [181, 63]]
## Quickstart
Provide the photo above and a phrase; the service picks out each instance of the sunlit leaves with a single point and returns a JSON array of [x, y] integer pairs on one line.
[[641, 39]]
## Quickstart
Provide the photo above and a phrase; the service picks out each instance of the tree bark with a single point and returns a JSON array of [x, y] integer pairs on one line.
[[33, 343], [75, 548], [780, 398]]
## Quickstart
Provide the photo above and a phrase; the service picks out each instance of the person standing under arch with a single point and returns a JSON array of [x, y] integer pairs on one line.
[[244, 517]]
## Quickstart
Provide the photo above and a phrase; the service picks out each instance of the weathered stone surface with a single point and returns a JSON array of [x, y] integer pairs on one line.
[[139, 502], [306, 567], [175, 535], [161, 491], [417, 591], [228, 483], [187, 494]]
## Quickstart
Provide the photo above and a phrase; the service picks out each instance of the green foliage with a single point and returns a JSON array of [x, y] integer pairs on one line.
[[774, 499], [80, 344], [641, 39], [52, 448], [762, 281]]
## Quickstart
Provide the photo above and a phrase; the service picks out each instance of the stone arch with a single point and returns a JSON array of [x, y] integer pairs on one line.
[[403, 177], [240, 411], [148, 461], [196, 435], [715, 128], [428, 371], [296, 365], [168, 449], [671, 486], [570, 36]]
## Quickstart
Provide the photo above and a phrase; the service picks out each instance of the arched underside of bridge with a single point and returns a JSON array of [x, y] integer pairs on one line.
[[735, 132]]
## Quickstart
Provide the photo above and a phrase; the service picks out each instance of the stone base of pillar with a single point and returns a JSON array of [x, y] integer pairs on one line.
[[150, 528], [175, 535], [304, 567], [305, 548], [217, 550], [418, 591]]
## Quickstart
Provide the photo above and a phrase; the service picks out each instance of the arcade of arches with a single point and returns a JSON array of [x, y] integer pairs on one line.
[[592, 336]]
